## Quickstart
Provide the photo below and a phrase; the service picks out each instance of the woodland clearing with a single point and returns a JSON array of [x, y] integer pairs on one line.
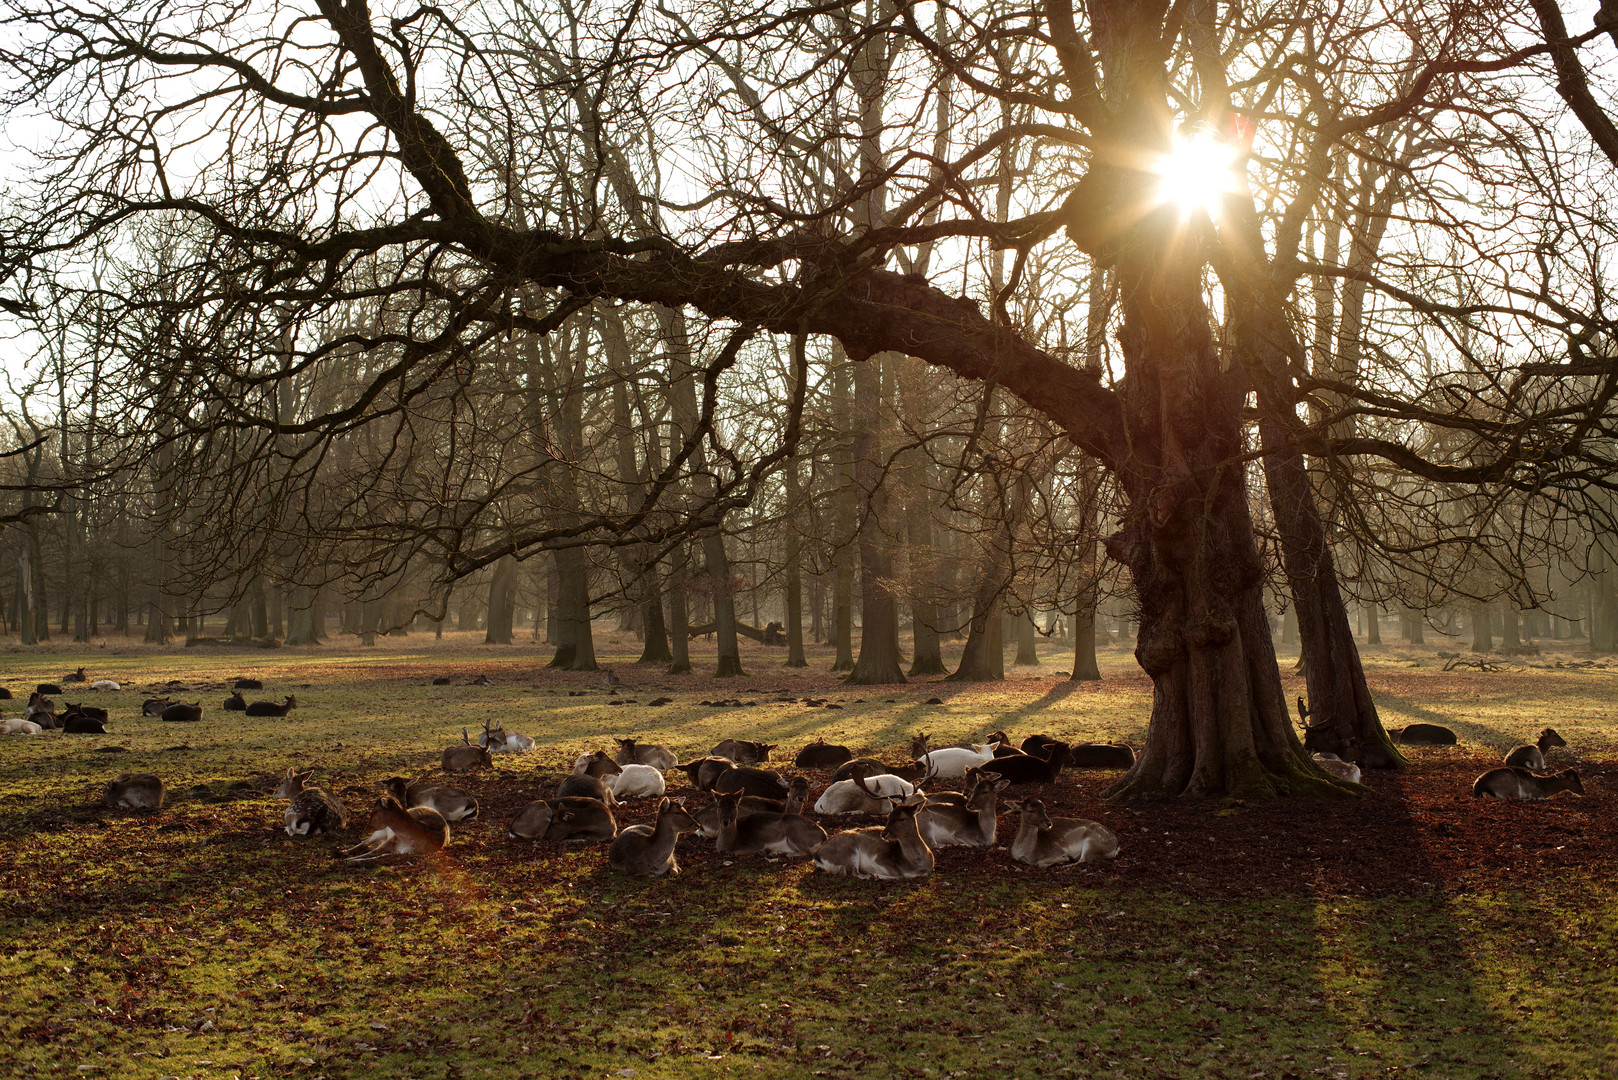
[[1413, 929]]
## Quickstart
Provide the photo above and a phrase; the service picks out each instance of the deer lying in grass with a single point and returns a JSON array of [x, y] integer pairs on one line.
[[134, 791], [973, 824], [561, 819], [912, 771], [270, 708], [19, 727], [861, 794], [596, 763], [797, 793], [41, 710], [702, 772], [106, 684], [1029, 769], [313, 809], [584, 786], [822, 755], [1518, 783], [394, 832], [154, 706], [743, 751], [235, 702], [82, 720], [181, 713], [1343, 770], [466, 757], [952, 762], [1045, 841], [454, 804], [1422, 735], [1533, 756], [633, 752], [763, 833], [764, 783], [648, 850], [1100, 755], [636, 781], [889, 852], [501, 741]]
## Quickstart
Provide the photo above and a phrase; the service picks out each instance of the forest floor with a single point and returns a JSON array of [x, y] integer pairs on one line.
[[1411, 930]]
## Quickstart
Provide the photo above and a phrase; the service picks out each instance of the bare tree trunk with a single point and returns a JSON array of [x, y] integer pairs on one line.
[[302, 609], [679, 621], [1085, 667], [1027, 641], [502, 602], [879, 609], [794, 569], [1482, 632]]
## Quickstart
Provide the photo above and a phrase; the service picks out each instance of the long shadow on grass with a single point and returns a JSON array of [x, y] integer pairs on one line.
[[1386, 965]]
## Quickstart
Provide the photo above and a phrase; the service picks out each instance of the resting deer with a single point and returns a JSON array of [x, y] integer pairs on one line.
[[466, 757], [912, 771], [633, 752], [564, 819], [1343, 770], [1422, 735], [890, 852], [134, 791], [313, 809], [154, 706], [584, 786], [636, 782], [648, 850], [952, 762], [863, 794], [743, 751], [396, 833], [764, 783], [822, 755], [106, 684], [500, 741], [454, 804], [270, 708], [596, 763], [972, 825], [702, 772], [1533, 756], [19, 727], [235, 702], [1098, 755], [1045, 841], [797, 792], [1518, 783], [766, 833], [1029, 769], [181, 713]]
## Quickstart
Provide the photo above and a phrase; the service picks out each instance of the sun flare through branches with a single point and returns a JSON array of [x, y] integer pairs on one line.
[[1197, 173]]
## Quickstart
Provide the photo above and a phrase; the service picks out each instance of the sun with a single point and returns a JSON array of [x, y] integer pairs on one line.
[[1197, 173]]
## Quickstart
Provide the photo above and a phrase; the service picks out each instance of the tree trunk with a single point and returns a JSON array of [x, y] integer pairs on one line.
[[717, 567], [1085, 667], [878, 662], [1339, 699], [1509, 637], [302, 629], [502, 602], [1027, 641], [679, 623], [794, 568], [575, 644], [1482, 635], [984, 658], [1415, 626], [1373, 625]]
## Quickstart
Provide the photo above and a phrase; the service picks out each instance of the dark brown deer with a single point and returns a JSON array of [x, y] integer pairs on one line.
[[1518, 783], [765, 833], [1533, 756], [270, 708]]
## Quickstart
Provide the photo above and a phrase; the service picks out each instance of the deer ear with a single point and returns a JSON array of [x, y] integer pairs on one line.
[[566, 815]]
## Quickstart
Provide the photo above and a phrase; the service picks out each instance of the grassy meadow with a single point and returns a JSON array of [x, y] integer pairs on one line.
[[200, 941]]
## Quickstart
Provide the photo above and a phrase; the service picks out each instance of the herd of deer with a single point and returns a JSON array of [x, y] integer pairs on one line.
[[754, 811]]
